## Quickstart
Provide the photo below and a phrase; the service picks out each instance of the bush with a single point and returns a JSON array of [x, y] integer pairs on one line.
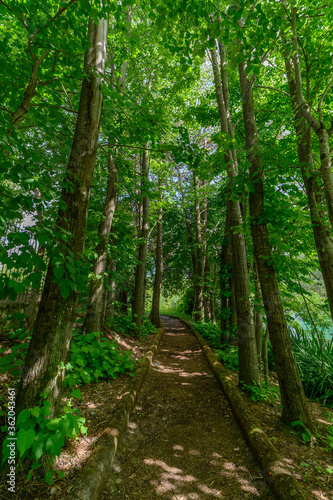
[[229, 357], [91, 358], [37, 435], [317, 378], [210, 332], [263, 392], [125, 326], [13, 362]]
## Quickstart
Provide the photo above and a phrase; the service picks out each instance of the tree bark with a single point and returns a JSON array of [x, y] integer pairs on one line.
[[265, 355], [321, 233], [189, 236], [247, 349], [51, 339], [199, 278], [291, 388], [139, 285], [34, 296], [257, 310], [95, 301], [317, 125], [155, 308]]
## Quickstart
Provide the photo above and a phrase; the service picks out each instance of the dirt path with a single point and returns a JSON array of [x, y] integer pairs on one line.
[[182, 442]]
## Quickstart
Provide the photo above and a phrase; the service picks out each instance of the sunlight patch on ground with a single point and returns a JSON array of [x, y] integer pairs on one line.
[[210, 491], [319, 495], [178, 447], [90, 404], [246, 486], [173, 479]]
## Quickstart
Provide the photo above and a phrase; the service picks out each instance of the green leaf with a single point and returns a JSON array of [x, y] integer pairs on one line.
[[25, 440], [38, 447], [54, 443], [76, 393]]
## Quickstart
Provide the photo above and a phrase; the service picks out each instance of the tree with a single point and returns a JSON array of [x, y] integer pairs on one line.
[[51, 339]]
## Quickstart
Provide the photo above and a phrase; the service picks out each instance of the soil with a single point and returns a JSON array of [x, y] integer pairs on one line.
[[182, 440]]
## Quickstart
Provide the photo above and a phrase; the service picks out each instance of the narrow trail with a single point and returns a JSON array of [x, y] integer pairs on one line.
[[183, 442]]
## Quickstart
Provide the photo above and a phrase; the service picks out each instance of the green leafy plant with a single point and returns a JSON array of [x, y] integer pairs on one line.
[[37, 435], [228, 357], [125, 326], [210, 332], [13, 361], [316, 371], [263, 392], [92, 357], [302, 430]]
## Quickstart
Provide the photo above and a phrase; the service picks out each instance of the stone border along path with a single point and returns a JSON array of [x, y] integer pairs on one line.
[[182, 442], [90, 481], [275, 469]]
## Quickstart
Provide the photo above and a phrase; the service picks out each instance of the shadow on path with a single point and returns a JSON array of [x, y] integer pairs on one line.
[[182, 442]]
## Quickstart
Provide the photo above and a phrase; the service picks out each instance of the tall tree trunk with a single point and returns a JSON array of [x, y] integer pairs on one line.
[[207, 286], [265, 355], [190, 238], [213, 295], [257, 310], [34, 295], [291, 388], [225, 279], [199, 306], [317, 125], [139, 285], [51, 339], [321, 233], [155, 307], [247, 348], [95, 302], [109, 296]]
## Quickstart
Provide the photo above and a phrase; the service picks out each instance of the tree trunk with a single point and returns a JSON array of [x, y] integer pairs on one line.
[[34, 296], [317, 125], [51, 339], [109, 296], [212, 295], [291, 388], [139, 285], [95, 302], [225, 279], [265, 355], [247, 349], [190, 239], [155, 307], [321, 233], [123, 300], [199, 306], [257, 310]]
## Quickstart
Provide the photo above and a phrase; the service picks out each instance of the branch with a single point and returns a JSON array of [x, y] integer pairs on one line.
[[271, 88], [304, 106], [68, 98], [320, 111], [55, 17]]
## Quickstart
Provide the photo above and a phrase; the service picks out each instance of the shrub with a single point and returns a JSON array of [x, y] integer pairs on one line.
[[125, 326], [263, 392], [37, 435], [317, 377], [210, 332], [228, 357], [91, 358], [12, 362]]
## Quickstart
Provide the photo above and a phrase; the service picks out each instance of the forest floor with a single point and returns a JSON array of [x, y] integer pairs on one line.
[[182, 441]]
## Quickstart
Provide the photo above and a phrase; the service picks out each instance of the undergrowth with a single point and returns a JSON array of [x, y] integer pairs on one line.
[[125, 326]]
